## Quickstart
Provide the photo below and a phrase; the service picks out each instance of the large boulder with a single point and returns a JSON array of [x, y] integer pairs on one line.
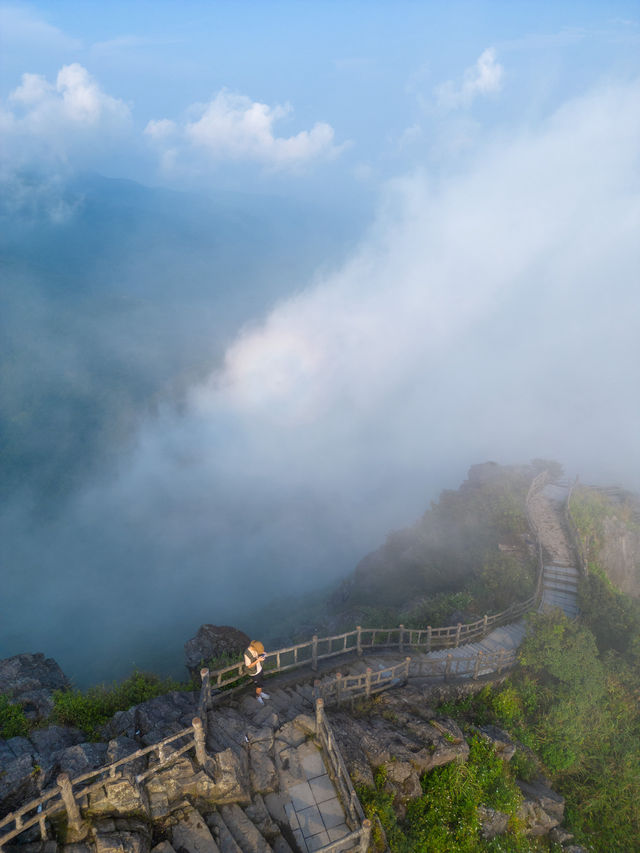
[[153, 720], [30, 681], [213, 642]]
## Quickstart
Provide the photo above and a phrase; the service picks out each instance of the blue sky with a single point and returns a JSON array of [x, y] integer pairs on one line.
[[352, 93]]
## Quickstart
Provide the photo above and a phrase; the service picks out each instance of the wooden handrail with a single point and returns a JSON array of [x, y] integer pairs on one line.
[[429, 637], [108, 773], [342, 780]]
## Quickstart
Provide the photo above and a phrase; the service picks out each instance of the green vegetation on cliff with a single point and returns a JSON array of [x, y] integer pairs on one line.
[[13, 722], [576, 707], [90, 709], [445, 818], [469, 554]]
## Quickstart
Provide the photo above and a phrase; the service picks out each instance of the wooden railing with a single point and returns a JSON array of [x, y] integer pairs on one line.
[[340, 688], [71, 795], [428, 639], [359, 837]]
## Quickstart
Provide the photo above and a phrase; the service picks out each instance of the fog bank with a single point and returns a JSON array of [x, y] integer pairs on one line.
[[489, 313]]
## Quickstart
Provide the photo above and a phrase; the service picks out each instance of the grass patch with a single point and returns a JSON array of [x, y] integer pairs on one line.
[[13, 722], [445, 818], [89, 710]]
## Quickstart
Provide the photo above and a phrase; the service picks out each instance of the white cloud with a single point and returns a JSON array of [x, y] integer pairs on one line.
[[75, 100], [484, 78], [232, 127], [57, 122], [537, 221]]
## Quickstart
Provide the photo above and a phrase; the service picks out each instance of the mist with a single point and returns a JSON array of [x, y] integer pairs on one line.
[[271, 429]]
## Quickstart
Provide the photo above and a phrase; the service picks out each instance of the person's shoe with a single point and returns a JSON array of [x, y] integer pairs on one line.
[[260, 699], [265, 695]]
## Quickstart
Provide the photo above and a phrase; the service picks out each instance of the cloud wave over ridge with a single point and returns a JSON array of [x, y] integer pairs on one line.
[[489, 314]]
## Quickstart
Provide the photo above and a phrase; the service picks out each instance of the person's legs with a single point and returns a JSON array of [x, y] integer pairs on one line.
[[258, 680]]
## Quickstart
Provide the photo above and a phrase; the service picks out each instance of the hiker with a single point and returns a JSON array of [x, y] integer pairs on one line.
[[253, 657]]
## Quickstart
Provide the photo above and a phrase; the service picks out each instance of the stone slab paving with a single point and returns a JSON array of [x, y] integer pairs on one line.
[[313, 809]]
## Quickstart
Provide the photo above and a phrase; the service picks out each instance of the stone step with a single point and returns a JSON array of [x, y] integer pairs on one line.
[[558, 595], [305, 691], [570, 580], [193, 835], [562, 569], [247, 836], [260, 816], [220, 831], [561, 578], [281, 700], [561, 588]]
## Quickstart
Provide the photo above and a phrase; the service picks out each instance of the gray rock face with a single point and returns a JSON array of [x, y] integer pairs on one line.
[[402, 741], [154, 720], [492, 822], [542, 808], [30, 681], [213, 641], [55, 739], [499, 739], [81, 758], [18, 783]]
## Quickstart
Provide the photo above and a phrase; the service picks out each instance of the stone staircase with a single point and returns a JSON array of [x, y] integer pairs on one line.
[[560, 589], [561, 573], [294, 806]]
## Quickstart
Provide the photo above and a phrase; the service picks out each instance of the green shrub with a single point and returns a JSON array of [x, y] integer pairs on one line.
[[91, 709], [524, 766], [13, 722], [445, 818]]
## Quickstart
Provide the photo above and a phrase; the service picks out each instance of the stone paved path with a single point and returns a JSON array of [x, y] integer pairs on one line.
[[291, 783]]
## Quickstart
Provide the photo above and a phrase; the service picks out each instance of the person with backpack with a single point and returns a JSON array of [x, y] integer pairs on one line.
[[253, 657]]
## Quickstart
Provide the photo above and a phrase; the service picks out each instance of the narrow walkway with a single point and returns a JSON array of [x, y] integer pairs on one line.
[[291, 782], [560, 577]]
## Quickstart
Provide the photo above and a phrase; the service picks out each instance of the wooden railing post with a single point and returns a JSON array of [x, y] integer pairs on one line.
[[428, 638], [485, 625], [205, 693], [338, 687], [401, 641], [359, 641], [70, 804], [314, 653], [319, 715], [367, 682], [477, 666], [199, 738], [407, 663], [365, 838], [458, 629]]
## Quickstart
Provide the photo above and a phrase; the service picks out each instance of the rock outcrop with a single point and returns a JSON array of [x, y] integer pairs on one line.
[[30, 680], [213, 642]]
